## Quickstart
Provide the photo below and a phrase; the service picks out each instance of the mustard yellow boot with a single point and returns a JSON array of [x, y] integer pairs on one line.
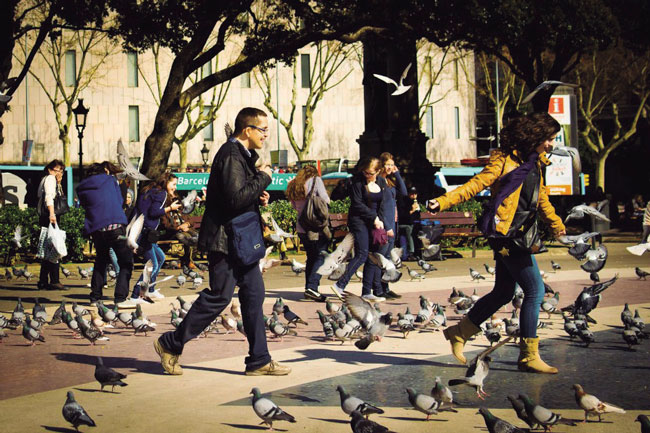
[[458, 335], [529, 359]]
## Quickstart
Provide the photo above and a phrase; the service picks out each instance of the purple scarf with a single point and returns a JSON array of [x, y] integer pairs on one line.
[[509, 184]]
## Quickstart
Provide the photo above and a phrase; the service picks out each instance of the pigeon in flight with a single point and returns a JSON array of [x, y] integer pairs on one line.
[[579, 212], [399, 88], [189, 202], [578, 244], [297, 267], [548, 85], [390, 274], [375, 323], [16, 241], [133, 231], [125, 164], [267, 410], [75, 414], [596, 259], [333, 260], [639, 249]]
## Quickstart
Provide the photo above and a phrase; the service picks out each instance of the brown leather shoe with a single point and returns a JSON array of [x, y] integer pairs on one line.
[[270, 369], [168, 360]]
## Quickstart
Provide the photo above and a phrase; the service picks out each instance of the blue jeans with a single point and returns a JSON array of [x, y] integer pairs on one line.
[[224, 275], [361, 234], [517, 268], [314, 258], [157, 257]]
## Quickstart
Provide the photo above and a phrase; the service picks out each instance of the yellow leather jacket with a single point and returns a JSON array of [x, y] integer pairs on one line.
[[500, 164]]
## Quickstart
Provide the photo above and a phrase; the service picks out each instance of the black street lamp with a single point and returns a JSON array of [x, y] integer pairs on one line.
[[80, 114], [205, 154]]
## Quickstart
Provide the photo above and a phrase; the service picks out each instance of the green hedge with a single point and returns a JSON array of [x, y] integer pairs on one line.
[[12, 216]]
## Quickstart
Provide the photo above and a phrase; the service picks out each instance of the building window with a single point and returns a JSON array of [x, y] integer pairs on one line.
[[305, 71], [457, 121], [134, 123], [246, 80], [455, 74], [206, 69], [70, 68], [132, 69], [208, 131], [428, 120]]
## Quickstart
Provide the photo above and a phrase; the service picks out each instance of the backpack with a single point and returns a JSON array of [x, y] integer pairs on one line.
[[315, 215]]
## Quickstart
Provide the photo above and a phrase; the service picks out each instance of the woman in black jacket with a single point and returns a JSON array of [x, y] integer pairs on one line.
[[368, 194]]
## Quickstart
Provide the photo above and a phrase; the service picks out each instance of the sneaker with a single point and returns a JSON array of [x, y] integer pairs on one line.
[[337, 291], [373, 298], [128, 304], [270, 369], [155, 295], [168, 360], [314, 295], [391, 295]]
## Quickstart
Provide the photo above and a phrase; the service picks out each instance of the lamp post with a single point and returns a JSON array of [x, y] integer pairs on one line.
[[205, 154], [80, 114]]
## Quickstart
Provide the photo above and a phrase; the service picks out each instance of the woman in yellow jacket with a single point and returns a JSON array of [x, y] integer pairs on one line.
[[518, 193]]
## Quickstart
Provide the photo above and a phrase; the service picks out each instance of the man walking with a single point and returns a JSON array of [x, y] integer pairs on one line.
[[234, 188]]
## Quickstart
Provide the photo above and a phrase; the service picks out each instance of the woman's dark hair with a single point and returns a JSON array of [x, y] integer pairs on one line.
[[366, 162], [102, 167], [525, 133], [53, 164], [160, 182]]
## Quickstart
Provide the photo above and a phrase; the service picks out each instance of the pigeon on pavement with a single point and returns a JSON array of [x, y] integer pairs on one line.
[[107, 376], [267, 410], [592, 405], [75, 414], [425, 403], [489, 269], [541, 415], [297, 267], [520, 410], [497, 425], [350, 403], [641, 273], [31, 334], [360, 424], [645, 423], [476, 276]]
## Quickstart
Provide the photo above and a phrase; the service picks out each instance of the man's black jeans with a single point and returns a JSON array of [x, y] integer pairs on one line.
[[104, 240], [224, 275]]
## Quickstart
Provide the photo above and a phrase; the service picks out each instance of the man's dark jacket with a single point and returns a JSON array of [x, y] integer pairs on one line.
[[234, 188]]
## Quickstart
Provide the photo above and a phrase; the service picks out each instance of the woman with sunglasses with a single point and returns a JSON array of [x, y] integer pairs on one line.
[[368, 195]]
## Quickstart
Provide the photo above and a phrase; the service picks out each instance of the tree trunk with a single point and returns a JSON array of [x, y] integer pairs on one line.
[[600, 170], [182, 155], [65, 141]]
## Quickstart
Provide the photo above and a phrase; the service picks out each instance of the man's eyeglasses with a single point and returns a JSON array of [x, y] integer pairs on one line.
[[262, 130], [369, 173]]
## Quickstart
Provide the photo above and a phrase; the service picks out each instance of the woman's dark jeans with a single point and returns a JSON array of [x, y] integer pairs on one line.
[[512, 269], [314, 258], [361, 234]]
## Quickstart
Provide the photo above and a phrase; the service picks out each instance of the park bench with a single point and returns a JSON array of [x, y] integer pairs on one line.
[[171, 244], [458, 225]]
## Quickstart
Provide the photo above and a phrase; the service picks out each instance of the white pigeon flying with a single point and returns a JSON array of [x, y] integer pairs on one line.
[[333, 260], [399, 88], [579, 212], [133, 231], [278, 231], [548, 84], [16, 240], [189, 202], [125, 164]]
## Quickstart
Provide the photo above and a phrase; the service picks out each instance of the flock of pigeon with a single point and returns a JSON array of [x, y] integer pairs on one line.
[[363, 323]]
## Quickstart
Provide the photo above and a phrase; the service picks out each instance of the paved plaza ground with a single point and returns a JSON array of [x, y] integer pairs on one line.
[[213, 393]]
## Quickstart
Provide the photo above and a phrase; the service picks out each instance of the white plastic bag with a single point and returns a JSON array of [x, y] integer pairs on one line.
[[57, 238]]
